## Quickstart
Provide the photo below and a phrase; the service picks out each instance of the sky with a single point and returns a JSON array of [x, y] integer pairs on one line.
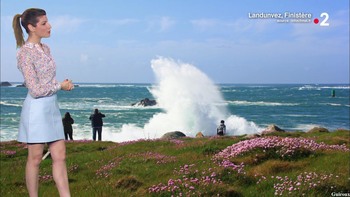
[[114, 41]]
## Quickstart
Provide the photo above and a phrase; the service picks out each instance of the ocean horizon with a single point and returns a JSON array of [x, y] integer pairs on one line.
[[187, 100], [247, 108]]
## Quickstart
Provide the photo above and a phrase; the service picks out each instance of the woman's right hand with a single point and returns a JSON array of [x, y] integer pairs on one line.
[[67, 85]]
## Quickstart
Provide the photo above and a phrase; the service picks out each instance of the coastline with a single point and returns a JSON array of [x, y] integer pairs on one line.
[[271, 129], [291, 107]]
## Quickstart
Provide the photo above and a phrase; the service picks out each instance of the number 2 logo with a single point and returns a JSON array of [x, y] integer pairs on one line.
[[325, 19]]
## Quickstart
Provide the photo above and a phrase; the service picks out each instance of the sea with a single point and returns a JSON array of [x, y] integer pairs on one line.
[[190, 102]]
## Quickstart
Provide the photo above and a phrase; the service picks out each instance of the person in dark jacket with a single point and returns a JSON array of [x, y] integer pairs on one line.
[[221, 130], [96, 124], [67, 125]]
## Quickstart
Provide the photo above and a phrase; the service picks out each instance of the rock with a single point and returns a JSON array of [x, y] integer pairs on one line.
[[271, 129], [5, 83], [173, 135], [21, 86], [145, 102], [318, 130], [199, 135]]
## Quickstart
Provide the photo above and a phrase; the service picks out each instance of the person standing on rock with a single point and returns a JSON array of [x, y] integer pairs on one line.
[[221, 130]]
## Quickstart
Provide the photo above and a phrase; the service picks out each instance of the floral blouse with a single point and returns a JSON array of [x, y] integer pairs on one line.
[[38, 69]]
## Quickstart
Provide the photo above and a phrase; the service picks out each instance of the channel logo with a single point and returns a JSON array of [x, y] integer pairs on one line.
[[324, 22]]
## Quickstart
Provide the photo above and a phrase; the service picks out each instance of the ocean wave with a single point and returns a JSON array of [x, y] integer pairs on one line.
[[228, 90], [316, 87], [102, 106], [258, 86], [295, 115], [128, 107], [98, 85], [10, 104], [112, 85], [260, 103], [86, 99], [309, 87], [305, 127], [332, 104], [336, 87]]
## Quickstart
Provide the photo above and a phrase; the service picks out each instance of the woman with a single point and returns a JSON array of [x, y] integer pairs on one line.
[[67, 126], [41, 121]]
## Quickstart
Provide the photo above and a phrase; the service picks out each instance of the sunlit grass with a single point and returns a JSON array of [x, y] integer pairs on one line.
[[288, 164]]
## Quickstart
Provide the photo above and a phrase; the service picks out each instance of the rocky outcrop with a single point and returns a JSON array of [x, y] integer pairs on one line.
[[145, 102], [272, 129], [318, 130], [173, 135], [21, 85], [5, 83], [199, 135]]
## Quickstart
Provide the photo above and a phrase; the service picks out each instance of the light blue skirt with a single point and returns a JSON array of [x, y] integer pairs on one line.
[[41, 120]]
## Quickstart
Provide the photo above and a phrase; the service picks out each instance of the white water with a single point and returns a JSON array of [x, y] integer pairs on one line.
[[191, 104]]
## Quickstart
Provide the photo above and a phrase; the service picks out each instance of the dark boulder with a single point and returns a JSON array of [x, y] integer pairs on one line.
[[21, 85], [145, 102], [5, 83], [318, 130], [173, 135]]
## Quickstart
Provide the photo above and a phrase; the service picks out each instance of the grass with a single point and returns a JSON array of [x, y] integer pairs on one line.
[[210, 166]]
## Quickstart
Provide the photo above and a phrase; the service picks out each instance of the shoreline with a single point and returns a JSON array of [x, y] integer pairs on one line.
[[271, 129]]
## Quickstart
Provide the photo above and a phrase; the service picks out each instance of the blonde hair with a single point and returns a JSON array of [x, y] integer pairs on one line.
[[29, 16]]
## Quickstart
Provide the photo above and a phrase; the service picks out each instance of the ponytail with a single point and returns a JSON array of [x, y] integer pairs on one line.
[[29, 17], [18, 30]]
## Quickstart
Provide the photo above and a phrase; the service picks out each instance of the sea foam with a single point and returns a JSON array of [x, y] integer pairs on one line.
[[191, 103]]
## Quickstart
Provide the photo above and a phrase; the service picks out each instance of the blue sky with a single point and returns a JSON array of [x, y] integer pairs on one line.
[[113, 41]]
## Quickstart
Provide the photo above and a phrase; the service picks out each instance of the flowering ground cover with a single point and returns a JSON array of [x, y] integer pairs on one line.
[[289, 164]]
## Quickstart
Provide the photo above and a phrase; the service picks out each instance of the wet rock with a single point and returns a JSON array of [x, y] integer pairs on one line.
[[5, 83], [318, 130], [173, 135], [272, 129], [145, 102], [21, 85]]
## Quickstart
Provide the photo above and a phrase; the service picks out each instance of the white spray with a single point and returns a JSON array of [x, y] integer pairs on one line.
[[191, 104]]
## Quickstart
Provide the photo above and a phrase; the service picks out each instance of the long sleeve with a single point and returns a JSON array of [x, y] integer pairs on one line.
[[38, 69]]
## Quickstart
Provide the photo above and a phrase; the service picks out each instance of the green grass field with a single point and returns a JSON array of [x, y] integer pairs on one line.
[[287, 164]]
